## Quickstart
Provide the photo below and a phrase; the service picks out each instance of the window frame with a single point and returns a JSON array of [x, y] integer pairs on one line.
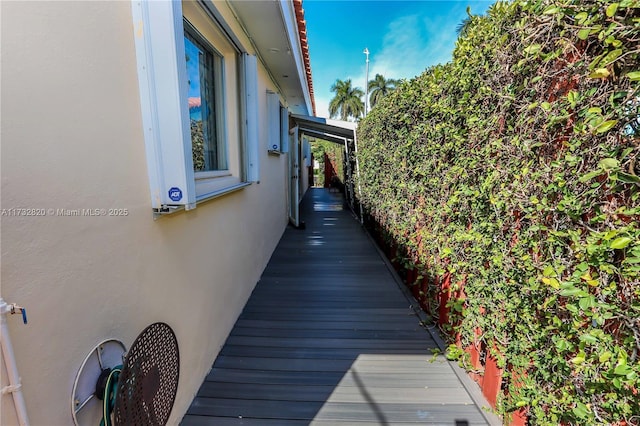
[[218, 102], [278, 122], [159, 32]]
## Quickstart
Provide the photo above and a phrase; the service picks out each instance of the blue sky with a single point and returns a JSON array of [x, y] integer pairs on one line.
[[403, 37]]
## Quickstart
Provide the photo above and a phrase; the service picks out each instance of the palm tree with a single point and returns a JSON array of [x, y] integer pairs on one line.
[[380, 87], [346, 103], [463, 27]]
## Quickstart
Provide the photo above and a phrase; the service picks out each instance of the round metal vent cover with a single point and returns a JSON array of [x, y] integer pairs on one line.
[[149, 380]]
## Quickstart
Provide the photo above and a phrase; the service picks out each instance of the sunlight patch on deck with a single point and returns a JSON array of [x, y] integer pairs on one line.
[[329, 221], [389, 388], [315, 240], [327, 206]]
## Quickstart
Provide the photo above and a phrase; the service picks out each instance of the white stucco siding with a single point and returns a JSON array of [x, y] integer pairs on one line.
[[72, 139]]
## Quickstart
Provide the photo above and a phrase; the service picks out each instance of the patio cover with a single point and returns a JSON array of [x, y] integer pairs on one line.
[[326, 129]]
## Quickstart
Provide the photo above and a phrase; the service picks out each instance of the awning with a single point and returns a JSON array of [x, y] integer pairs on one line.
[[323, 128]]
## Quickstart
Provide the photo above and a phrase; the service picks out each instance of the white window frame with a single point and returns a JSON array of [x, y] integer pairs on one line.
[[162, 77], [278, 121], [274, 136], [251, 119], [218, 104]]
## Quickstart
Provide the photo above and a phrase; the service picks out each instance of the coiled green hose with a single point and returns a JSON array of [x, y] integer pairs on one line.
[[110, 393]]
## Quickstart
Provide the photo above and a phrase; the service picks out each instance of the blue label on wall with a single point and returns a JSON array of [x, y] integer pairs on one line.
[[175, 194]]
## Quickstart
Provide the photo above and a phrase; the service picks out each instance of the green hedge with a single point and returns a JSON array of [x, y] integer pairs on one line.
[[516, 169]]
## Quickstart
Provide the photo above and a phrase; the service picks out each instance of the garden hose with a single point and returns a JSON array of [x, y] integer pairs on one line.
[[109, 397]]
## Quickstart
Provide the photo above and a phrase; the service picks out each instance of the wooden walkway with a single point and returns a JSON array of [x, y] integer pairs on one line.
[[328, 338]]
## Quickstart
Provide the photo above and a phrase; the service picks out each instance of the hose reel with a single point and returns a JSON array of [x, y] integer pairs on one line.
[[124, 388]]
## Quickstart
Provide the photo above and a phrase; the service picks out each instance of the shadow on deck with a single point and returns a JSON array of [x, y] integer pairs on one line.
[[328, 338]]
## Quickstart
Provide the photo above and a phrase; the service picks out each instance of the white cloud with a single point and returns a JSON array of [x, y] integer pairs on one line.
[[410, 45], [322, 105]]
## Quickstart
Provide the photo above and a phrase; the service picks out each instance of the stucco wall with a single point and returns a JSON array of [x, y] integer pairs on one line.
[[72, 139]]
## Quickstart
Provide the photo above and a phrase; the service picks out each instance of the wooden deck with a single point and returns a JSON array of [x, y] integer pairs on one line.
[[329, 338]]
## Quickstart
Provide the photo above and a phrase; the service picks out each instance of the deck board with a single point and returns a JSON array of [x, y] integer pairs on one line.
[[328, 338]]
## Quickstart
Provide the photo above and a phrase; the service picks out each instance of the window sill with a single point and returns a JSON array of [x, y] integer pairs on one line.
[[213, 183], [203, 198], [212, 174], [220, 192]]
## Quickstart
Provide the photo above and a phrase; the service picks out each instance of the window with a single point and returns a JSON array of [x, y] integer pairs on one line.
[[204, 73], [278, 125], [273, 111], [198, 100]]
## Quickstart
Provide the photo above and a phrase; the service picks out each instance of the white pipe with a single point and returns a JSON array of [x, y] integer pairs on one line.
[[15, 386], [366, 84]]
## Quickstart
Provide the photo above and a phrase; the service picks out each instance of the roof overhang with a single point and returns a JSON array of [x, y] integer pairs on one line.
[[326, 129], [274, 28]]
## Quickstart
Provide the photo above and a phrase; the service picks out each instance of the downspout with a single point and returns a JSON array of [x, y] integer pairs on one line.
[[355, 144], [15, 386]]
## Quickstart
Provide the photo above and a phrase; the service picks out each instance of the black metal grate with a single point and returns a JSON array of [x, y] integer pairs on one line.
[[149, 380]]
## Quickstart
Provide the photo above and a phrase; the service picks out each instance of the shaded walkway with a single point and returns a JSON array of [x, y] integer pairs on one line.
[[328, 338]]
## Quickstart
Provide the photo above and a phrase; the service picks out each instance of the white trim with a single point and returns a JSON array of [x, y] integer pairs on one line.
[[274, 134], [251, 116], [224, 191], [159, 41], [289, 17], [206, 187], [212, 174]]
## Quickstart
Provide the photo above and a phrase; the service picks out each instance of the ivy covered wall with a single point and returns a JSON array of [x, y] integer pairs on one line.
[[507, 183]]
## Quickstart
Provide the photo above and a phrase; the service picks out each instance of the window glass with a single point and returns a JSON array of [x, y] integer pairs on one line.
[[204, 76]]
